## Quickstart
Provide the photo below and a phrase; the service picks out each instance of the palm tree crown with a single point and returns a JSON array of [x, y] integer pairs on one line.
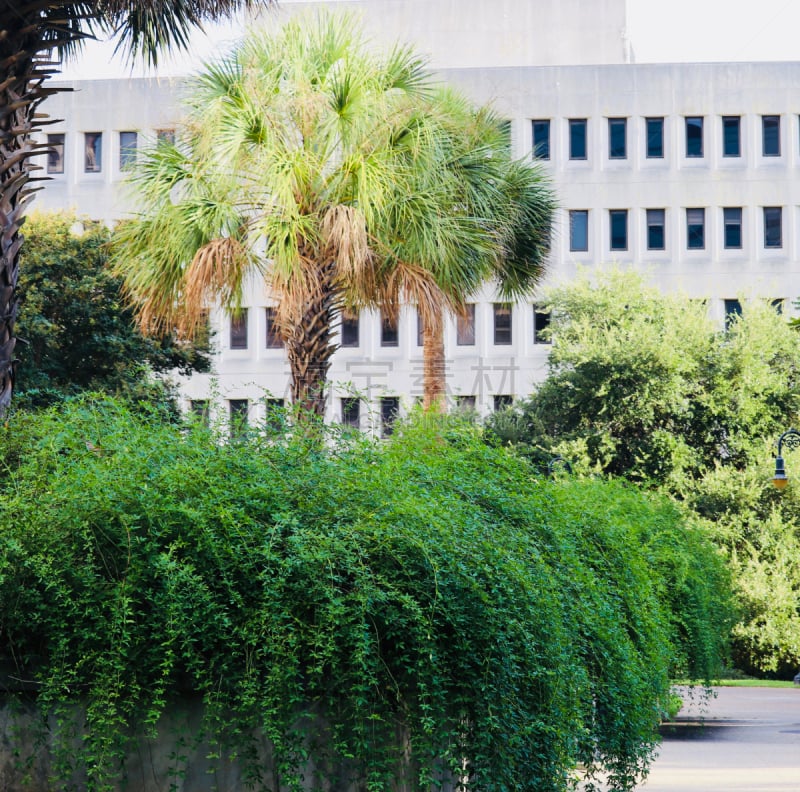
[[346, 178]]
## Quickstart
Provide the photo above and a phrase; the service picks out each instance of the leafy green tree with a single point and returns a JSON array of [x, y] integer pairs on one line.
[[30, 33], [345, 178], [643, 385], [78, 332]]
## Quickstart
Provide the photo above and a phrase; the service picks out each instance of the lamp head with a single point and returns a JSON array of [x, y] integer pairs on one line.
[[780, 479]]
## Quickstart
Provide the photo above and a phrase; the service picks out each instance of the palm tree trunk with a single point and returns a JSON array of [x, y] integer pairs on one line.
[[309, 346], [22, 77], [434, 387]]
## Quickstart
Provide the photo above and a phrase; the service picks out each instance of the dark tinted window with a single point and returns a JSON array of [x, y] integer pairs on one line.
[[579, 229], [694, 136], [655, 229], [773, 237], [695, 229], [541, 139], [502, 323], [731, 136], [351, 412], [771, 131], [617, 138], [349, 330], [274, 340], [655, 137], [390, 408], [55, 153], [239, 329], [577, 138], [389, 333], [732, 226], [541, 322], [618, 220]]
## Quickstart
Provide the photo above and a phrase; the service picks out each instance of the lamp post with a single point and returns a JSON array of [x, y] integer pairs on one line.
[[791, 437]]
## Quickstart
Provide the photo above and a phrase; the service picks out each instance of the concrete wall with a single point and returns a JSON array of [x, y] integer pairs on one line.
[[477, 33], [177, 759]]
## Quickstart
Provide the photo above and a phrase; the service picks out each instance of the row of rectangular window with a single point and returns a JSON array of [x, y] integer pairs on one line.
[[390, 331], [578, 137], [93, 149], [350, 411], [655, 222]]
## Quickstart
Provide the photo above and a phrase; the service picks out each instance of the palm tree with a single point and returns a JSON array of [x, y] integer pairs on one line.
[[30, 32], [474, 184], [335, 173]]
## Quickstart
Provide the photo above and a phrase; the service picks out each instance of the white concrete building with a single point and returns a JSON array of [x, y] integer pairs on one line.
[[690, 171]]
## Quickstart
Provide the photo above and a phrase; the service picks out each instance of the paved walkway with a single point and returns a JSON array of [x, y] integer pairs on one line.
[[743, 740]]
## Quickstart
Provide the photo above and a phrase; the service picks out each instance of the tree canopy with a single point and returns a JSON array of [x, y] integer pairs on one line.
[[346, 178], [77, 330], [644, 385]]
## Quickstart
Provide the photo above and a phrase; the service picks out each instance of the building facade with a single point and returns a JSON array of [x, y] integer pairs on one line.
[[688, 171]]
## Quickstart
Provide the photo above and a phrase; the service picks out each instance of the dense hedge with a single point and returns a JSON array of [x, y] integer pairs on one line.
[[431, 587]]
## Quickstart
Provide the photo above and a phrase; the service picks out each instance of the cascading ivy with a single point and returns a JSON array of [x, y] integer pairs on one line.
[[424, 608]]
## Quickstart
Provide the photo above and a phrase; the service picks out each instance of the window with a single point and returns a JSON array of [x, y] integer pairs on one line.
[[466, 403], [655, 229], [694, 136], [772, 227], [55, 153], [731, 136], [733, 310], [274, 415], [777, 305], [128, 143], [239, 329], [200, 410], [617, 138], [465, 326], [349, 329], [274, 339], [695, 229], [618, 223], [579, 229], [732, 227], [502, 401], [165, 136], [655, 137], [351, 412], [577, 138], [390, 409], [541, 138], [771, 135], [502, 323], [390, 337], [93, 152], [238, 410], [420, 330], [541, 323]]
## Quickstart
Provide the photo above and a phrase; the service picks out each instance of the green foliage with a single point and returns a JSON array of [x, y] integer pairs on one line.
[[76, 332], [340, 597], [643, 385]]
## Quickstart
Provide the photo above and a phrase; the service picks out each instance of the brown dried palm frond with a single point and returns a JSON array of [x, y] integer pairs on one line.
[[217, 272], [412, 283], [345, 240]]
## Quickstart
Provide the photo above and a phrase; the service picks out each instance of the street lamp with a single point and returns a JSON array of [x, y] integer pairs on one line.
[[792, 439]]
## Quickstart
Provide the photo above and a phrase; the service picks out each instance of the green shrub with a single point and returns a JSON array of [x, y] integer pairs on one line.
[[507, 627]]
